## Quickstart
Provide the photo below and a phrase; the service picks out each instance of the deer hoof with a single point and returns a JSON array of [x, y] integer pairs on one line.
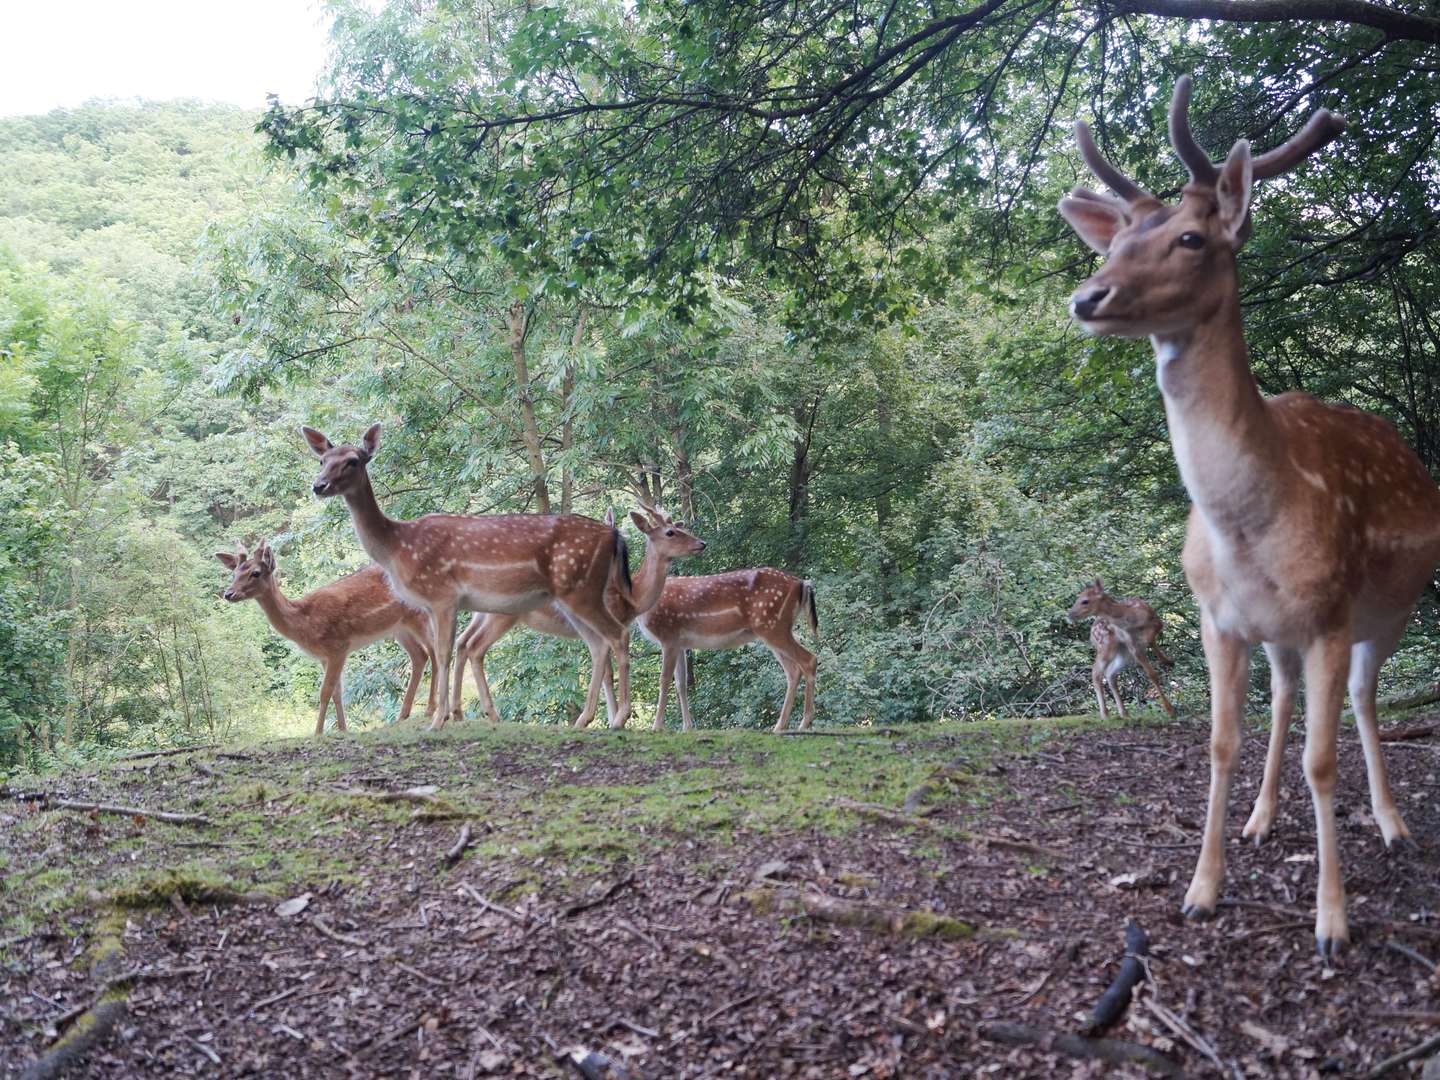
[[1401, 845], [1197, 912], [1329, 948]]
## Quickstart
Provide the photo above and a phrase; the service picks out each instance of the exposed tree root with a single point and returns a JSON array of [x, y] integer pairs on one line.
[[1116, 999], [167, 753], [876, 917], [1114, 1051], [85, 1034], [52, 803]]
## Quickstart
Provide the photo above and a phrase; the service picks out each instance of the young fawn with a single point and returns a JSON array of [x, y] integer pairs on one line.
[[1125, 629], [725, 611], [665, 541], [1313, 527], [333, 621]]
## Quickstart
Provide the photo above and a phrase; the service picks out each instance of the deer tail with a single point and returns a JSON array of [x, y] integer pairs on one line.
[[807, 601], [620, 562]]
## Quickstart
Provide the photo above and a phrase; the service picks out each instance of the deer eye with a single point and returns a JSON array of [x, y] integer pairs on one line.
[[1085, 601], [254, 573], [669, 532], [352, 463], [1192, 240]]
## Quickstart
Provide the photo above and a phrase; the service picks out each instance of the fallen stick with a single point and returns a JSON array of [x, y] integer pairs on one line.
[[605, 897], [490, 905], [1419, 1050], [1187, 1034], [1114, 1051], [451, 857], [58, 1059], [1421, 731], [106, 808], [334, 935], [166, 753], [1116, 999], [857, 733], [885, 814], [886, 920], [1406, 950]]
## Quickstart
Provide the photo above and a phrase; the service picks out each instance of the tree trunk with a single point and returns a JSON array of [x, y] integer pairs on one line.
[[567, 426], [684, 472], [801, 468], [519, 323]]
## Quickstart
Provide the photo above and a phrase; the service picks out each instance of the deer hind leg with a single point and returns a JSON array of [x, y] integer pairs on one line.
[[1365, 660], [1154, 677], [602, 634], [621, 657], [418, 659], [668, 657], [1284, 674], [808, 665], [442, 631], [1228, 659], [1116, 664], [327, 691], [1327, 664], [792, 679], [479, 638], [682, 686]]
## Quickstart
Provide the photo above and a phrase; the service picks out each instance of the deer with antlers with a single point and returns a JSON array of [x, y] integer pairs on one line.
[[1313, 527], [1124, 630], [505, 563], [665, 541], [333, 621], [725, 611]]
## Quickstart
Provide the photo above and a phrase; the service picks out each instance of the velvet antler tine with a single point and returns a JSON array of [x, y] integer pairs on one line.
[[1319, 131], [1114, 179], [1202, 169]]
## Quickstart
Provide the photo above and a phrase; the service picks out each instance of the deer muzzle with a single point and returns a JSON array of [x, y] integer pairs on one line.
[[1088, 300]]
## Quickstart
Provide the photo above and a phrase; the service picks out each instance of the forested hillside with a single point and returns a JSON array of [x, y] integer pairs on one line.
[[861, 372]]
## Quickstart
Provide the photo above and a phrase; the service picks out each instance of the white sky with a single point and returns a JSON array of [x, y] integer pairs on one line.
[[60, 53]]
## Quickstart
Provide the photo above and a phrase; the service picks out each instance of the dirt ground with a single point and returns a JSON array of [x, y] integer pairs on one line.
[[643, 898]]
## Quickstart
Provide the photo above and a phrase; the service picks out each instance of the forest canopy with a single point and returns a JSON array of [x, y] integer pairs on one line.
[[791, 269]]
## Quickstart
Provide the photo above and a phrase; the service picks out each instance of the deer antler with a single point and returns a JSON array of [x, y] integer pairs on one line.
[[1114, 179], [1322, 128], [1202, 169]]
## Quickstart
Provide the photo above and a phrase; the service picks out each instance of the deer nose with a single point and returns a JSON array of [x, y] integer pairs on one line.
[[228, 595], [319, 487], [1084, 306]]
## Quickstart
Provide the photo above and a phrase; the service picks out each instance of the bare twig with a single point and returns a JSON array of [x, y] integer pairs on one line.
[[166, 753], [605, 897], [490, 905], [1111, 1050], [105, 808], [453, 856], [334, 935], [1419, 1050], [1405, 950], [1186, 1032]]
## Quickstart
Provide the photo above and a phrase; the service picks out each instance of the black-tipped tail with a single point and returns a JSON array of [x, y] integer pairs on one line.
[[807, 601], [620, 561]]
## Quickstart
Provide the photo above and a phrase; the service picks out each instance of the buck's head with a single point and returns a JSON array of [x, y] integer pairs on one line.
[[250, 574], [1091, 602], [664, 535], [1170, 268], [342, 468]]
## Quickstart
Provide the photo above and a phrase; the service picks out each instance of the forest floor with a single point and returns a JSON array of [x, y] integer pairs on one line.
[[721, 904]]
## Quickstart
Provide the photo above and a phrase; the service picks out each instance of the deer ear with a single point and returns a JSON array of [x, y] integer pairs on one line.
[[640, 523], [319, 443], [370, 441], [266, 556], [1232, 193], [228, 559], [1095, 219], [610, 516]]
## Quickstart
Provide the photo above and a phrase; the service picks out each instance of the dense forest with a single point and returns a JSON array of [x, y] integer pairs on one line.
[[791, 270]]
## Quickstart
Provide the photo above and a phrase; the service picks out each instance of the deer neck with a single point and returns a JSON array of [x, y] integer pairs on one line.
[[377, 532], [279, 609], [649, 580], [1229, 450]]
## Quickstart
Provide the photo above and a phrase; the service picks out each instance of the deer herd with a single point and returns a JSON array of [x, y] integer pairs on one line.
[[1313, 529]]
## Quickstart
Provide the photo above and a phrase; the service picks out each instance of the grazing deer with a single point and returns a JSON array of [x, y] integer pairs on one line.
[[725, 611], [333, 621], [665, 541], [507, 563], [1313, 527], [1123, 631]]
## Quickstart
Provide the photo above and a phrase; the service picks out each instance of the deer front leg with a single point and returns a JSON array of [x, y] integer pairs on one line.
[[682, 687], [1284, 674], [1110, 681], [327, 690], [1229, 661], [1365, 660], [482, 636], [1097, 677], [1327, 663], [668, 656], [599, 657], [442, 632]]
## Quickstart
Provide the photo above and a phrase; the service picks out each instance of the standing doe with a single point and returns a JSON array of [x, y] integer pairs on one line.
[[1313, 527], [335, 620], [665, 541], [508, 563], [725, 611], [1125, 629]]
